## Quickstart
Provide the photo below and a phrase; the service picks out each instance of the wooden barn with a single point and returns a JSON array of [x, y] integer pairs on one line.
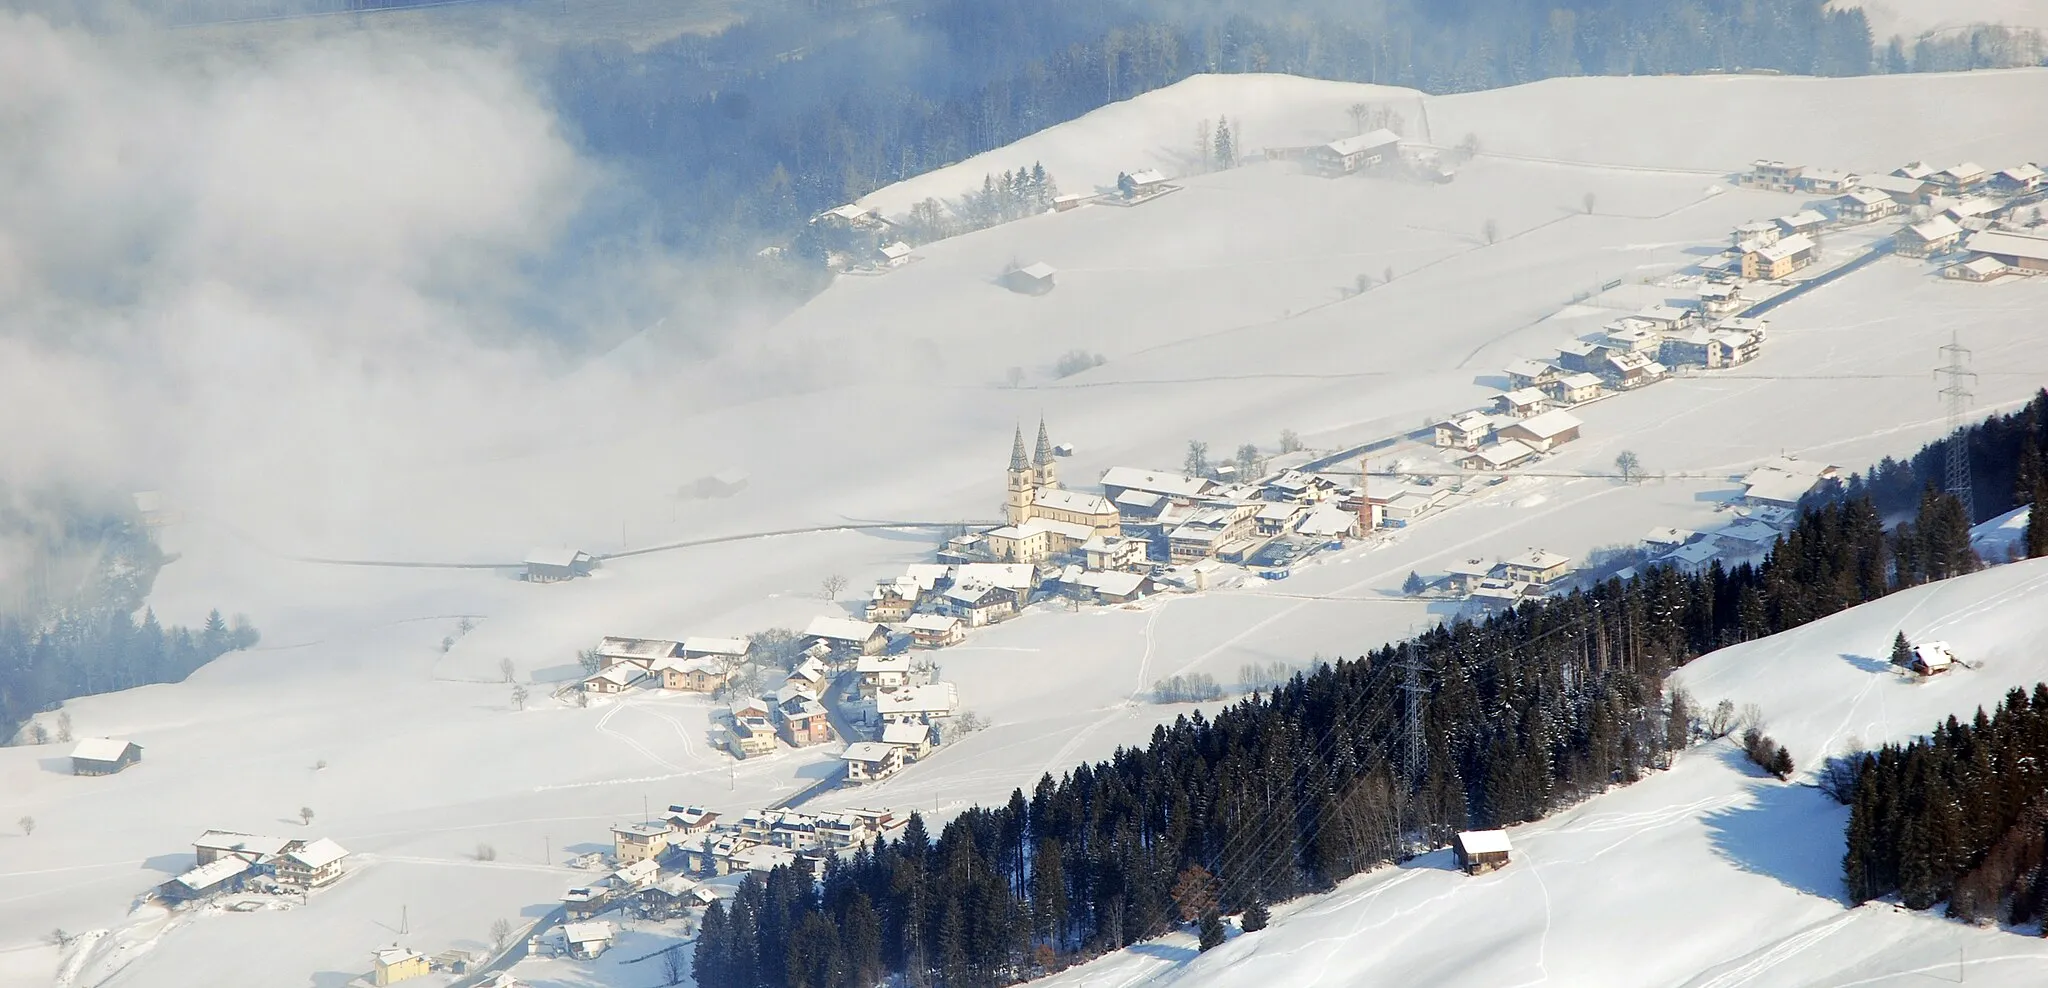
[[104, 756], [1481, 851]]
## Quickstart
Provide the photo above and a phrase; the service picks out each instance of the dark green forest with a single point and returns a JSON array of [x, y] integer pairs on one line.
[[1291, 792], [76, 577]]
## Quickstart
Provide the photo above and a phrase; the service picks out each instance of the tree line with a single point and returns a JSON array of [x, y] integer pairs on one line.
[[78, 635], [1327, 775], [741, 137]]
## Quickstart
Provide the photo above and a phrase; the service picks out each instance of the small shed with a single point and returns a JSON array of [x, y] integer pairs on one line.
[[1481, 851], [1032, 279], [104, 756], [1933, 658]]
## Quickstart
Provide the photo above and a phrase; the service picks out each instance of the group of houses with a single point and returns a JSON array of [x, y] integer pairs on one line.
[[855, 238], [1964, 214], [659, 866], [692, 665], [1503, 583], [1765, 510], [228, 861]]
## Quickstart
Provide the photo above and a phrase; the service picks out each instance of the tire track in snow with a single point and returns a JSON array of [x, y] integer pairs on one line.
[[603, 727], [1775, 954]]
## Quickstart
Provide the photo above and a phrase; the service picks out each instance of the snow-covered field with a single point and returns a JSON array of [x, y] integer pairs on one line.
[[1710, 875], [1220, 311]]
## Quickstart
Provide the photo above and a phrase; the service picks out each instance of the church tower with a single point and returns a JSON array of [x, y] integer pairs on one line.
[[1023, 483], [1047, 473]]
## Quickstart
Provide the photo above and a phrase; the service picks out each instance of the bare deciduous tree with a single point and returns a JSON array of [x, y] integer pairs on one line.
[[519, 697], [1628, 466], [1290, 441], [505, 669], [501, 931], [485, 852], [28, 826], [306, 816], [63, 726], [832, 586]]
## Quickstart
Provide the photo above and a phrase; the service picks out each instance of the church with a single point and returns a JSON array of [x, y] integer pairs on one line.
[[1043, 518]]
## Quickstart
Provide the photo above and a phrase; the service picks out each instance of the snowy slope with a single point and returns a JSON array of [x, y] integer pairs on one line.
[[1710, 874], [1221, 312], [1913, 18]]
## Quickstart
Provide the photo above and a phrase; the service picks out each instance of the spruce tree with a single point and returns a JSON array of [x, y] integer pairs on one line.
[[2036, 539], [1212, 930], [1256, 916], [1902, 651]]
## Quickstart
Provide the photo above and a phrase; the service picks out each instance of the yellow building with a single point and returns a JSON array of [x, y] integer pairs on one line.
[[395, 963], [1035, 494], [638, 842]]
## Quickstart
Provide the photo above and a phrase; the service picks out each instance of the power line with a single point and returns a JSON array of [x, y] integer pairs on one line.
[[1958, 392]]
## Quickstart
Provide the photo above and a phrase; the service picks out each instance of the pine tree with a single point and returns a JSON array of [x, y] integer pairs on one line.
[[1226, 148], [2036, 537], [1212, 930], [1256, 916], [1902, 650]]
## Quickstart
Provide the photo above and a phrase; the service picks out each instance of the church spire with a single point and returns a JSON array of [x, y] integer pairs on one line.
[[1044, 445], [1018, 463]]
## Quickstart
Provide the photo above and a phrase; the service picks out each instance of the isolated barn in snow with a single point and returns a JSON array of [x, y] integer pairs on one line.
[[1481, 851]]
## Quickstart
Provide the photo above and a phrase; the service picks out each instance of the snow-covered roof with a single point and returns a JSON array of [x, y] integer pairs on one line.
[[1504, 453], [1469, 567], [561, 556], [589, 931], [841, 629], [100, 749], [2009, 244], [1549, 424], [1521, 397], [1966, 171], [1008, 576], [849, 211], [1154, 482], [1484, 841], [1829, 174], [1364, 142], [1530, 368], [715, 646], [1691, 555], [928, 698], [1573, 382], [1787, 247], [636, 648], [622, 674], [1115, 584], [1938, 228], [1537, 559], [912, 735], [1670, 536], [931, 622], [896, 250], [882, 663], [1077, 501], [1983, 266], [389, 956], [1327, 520], [1804, 217], [319, 853], [1934, 655], [228, 840], [639, 872], [867, 751], [213, 873], [1038, 272], [1146, 176], [2021, 173], [1894, 184]]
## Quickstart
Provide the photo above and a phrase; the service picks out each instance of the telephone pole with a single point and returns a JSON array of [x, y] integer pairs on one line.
[[1958, 381]]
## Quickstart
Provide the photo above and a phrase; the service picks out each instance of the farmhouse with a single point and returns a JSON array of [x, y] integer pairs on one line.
[[1983, 267], [690, 675], [892, 254], [1112, 587], [556, 565], [1465, 431], [1145, 180], [1865, 205], [1903, 190], [1665, 539], [1755, 233], [934, 630], [918, 704], [1915, 169], [1804, 223], [1032, 279], [222, 875], [395, 963], [588, 939], [103, 756], [751, 736], [639, 842], [1777, 260], [1960, 178], [634, 651], [1576, 389], [978, 604], [1535, 566], [1522, 402], [892, 601], [1543, 432], [871, 761], [1498, 456], [882, 673], [1827, 181], [1773, 174], [914, 739], [311, 866], [1117, 481], [1351, 154], [801, 720], [1783, 481], [612, 679], [1630, 369], [690, 819], [1038, 539], [1932, 658], [2019, 180], [1928, 237], [2023, 253], [845, 635], [255, 849], [1581, 356], [1481, 851], [1532, 373]]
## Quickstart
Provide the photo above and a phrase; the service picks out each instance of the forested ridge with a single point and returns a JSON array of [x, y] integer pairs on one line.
[[76, 576], [1289, 793], [743, 136]]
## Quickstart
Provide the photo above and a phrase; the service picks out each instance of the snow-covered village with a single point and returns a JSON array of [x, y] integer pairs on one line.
[[626, 494]]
